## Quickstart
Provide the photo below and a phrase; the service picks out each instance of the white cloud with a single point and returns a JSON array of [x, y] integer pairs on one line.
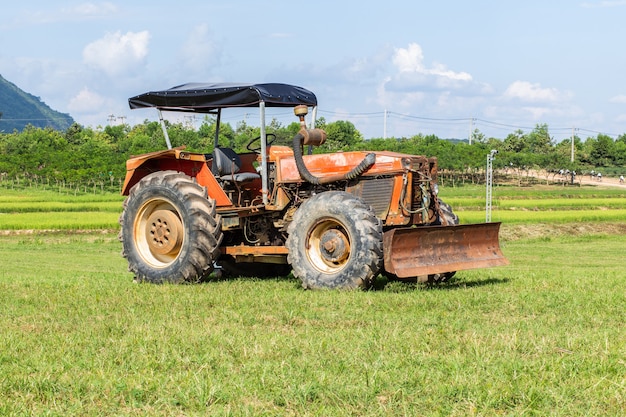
[[605, 3], [117, 53], [281, 35], [411, 60], [86, 101], [411, 74], [537, 112], [51, 13], [410, 83], [620, 99], [200, 52], [90, 10], [534, 93]]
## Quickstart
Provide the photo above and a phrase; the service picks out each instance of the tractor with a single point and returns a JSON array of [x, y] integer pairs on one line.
[[333, 220]]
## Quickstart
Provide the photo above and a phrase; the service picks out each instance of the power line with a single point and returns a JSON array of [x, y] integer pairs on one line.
[[408, 116], [471, 120], [385, 115], [597, 132], [352, 115]]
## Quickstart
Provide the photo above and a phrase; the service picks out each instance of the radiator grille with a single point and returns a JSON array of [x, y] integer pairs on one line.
[[375, 192]]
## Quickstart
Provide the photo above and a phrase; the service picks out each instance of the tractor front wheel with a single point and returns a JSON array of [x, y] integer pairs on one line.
[[170, 231], [450, 219], [335, 242]]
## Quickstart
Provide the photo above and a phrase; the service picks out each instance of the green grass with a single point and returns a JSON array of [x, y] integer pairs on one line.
[[60, 220], [540, 204], [532, 217], [33, 209], [35, 195], [536, 192], [542, 336], [58, 206]]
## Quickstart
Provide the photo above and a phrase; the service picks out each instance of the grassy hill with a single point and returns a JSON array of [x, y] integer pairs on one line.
[[19, 109]]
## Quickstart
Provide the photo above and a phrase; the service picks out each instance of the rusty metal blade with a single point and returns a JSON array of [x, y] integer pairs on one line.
[[412, 252]]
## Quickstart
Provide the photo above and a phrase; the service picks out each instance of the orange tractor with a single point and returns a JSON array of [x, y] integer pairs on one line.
[[334, 220]]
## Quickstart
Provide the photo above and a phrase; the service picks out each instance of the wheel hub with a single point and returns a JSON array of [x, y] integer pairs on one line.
[[164, 232], [334, 246]]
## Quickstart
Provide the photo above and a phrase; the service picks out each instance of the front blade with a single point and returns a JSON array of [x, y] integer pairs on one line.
[[412, 252]]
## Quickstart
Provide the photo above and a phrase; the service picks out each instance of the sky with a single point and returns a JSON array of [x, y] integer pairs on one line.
[[392, 68]]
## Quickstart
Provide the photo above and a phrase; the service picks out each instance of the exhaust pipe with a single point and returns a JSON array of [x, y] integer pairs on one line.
[[316, 137]]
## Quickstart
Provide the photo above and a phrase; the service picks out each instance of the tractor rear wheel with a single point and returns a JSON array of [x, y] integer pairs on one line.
[[170, 231], [335, 242]]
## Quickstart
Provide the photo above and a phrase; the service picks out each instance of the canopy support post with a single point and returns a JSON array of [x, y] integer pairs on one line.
[[264, 173], [217, 128], [162, 122]]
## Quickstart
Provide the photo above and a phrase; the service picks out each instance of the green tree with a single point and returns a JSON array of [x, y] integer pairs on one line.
[[478, 136], [244, 133], [341, 136], [539, 140], [602, 152], [515, 142], [620, 150]]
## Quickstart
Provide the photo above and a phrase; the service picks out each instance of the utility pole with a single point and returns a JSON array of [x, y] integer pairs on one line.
[[471, 131], [385, 125], [573, 130], [489, 184]]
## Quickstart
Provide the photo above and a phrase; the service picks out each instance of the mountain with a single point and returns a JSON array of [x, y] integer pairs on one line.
[[19, 109]]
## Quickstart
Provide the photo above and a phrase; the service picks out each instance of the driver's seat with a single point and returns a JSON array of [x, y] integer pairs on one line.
[[226, 166]]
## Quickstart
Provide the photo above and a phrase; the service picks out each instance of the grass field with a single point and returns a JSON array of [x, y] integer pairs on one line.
[[47, 210], [542, 336], [32, 209]]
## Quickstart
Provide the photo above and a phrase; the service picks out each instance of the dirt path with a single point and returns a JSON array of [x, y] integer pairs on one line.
[[585, 179]]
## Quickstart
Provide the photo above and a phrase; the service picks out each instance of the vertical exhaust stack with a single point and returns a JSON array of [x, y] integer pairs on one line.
[[316, 137], [311, 137], [301, 111]]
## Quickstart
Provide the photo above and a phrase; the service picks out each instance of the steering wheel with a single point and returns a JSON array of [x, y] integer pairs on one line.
[[257, 147]]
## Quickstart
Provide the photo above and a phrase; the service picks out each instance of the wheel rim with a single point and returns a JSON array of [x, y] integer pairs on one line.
[[328, 246], [158, 232]]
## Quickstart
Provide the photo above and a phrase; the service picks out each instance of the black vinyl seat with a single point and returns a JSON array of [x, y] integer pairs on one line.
[[227, 165]]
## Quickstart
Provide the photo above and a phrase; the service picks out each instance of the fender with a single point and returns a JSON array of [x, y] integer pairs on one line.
[[192, 164]]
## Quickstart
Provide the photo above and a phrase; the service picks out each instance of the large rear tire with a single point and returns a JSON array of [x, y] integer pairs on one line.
[[170, 231], [335, 242]]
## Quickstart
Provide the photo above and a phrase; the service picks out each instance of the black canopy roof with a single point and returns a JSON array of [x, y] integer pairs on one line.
[[205, 97]]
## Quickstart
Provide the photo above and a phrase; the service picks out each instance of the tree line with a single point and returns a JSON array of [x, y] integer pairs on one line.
[[85, 155]]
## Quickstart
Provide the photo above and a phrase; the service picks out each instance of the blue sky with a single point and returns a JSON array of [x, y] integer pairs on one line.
[[439, 67]]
